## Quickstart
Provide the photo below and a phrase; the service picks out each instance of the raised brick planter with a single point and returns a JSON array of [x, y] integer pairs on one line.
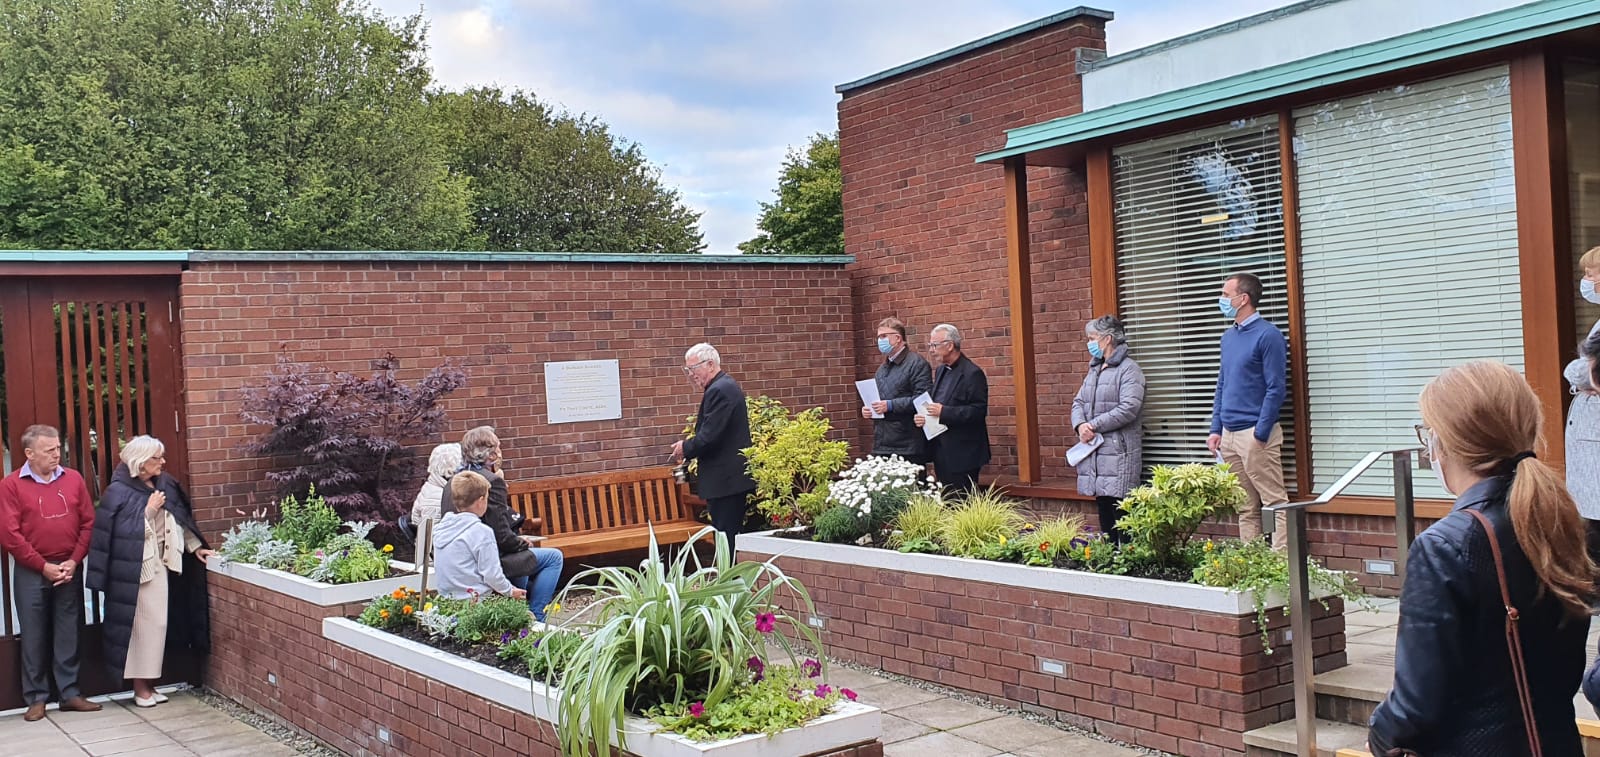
[[1175, 667], [316, 592], [269, 654], [846, 731]]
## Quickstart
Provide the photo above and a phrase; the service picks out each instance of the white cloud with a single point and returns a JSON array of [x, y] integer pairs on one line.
[[714, 91]]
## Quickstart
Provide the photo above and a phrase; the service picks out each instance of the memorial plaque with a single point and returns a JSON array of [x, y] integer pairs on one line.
[[583, 390]]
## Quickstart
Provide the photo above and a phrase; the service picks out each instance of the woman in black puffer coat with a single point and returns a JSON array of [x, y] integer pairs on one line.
[[148, 556]]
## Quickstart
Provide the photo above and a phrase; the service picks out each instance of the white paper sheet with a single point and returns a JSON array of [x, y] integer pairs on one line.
[[1083, 450], [868, 389], [931, 426]]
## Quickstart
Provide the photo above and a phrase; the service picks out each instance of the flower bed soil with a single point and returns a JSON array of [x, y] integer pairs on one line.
[[481, 653]]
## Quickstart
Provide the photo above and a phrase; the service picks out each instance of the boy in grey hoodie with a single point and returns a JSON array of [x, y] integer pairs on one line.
[[464, 550]]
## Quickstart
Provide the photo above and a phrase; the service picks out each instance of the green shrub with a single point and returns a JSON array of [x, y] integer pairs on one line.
[[1256, 567], [1163, 515], [276, 555], [920, 521], [241, 542], [490, 617], [346, 558], [668, 634], [839, 525], [546, 653], [886, 507], [792, 461], [783, 699], [309, 524], [1042, 544], [983, 519]]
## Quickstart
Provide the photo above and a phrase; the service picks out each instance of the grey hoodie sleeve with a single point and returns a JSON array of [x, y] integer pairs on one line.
[[487, 555]]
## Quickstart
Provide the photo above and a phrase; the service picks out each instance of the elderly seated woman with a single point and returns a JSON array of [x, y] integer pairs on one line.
[[538, 570], [443, 463]]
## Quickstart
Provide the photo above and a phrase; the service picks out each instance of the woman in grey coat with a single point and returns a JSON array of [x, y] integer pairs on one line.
[[1583, 418], [1110, 404]]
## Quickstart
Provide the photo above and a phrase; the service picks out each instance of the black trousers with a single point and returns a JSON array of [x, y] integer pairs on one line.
[[1109, 514], [727, 516], [958, 482], [50, 618]]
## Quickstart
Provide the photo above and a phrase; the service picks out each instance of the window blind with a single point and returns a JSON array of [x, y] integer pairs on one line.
[[1407, 215], [1191, 209]]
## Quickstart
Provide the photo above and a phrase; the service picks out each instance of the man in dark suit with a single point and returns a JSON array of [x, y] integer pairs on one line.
[[721, 432], [961, 402]]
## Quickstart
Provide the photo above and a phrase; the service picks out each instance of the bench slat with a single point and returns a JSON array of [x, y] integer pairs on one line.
[[606, 512]]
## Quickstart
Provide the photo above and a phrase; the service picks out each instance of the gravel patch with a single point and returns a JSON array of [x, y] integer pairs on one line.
[[283, 734]]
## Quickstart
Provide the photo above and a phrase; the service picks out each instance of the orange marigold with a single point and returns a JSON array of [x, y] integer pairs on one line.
[[383, 614], [406, 610], [398, 594]]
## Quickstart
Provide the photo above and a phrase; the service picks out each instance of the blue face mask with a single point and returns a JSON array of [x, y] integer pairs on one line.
[[883, 345], [1586, 288], [1225, 304], [1095, 351]]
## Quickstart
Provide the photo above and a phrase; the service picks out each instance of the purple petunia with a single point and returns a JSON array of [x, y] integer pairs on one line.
[[756, 666], [823, 690], [697, 710], [766, 621], [848, 694], [811, 667]]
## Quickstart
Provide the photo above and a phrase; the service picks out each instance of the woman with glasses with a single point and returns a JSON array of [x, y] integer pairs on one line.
[[1109, 406], [147, 555], [1469, 680]]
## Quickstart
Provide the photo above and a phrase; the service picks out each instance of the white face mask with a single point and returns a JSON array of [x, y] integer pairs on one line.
[[1433, 458], [1586, 288]]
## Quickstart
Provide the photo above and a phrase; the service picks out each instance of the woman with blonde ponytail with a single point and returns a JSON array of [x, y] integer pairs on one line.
[[1467, 681]]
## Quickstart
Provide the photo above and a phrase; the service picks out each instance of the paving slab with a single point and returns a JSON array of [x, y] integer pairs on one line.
[[1008, 733], [892, 696], [114, 732], [896, 728], [938, 743], [254, 741], [132, 743], [1076, 746], [946, 714], [81, 722]]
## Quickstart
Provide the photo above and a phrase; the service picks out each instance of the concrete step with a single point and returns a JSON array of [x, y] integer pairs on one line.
[[1280, 740], [1349, 694]]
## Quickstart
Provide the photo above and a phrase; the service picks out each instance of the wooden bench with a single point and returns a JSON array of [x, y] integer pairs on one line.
[[606, 512]]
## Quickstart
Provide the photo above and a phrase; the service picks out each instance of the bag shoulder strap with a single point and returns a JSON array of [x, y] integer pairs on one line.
[[1519, 670]]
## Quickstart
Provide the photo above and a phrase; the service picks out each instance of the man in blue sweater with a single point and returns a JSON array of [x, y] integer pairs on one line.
[[1250, 392]]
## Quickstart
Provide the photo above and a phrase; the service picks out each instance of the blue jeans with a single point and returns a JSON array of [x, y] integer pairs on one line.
[[543, 589]]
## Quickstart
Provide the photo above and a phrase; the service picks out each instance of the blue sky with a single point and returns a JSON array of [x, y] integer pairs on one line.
[[715, 91]]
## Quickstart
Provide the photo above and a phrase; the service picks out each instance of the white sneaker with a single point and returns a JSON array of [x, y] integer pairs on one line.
[[139, 701]]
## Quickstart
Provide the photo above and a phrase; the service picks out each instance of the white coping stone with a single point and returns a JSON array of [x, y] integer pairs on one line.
[[315, 592], [849, 723], [1076, 582]]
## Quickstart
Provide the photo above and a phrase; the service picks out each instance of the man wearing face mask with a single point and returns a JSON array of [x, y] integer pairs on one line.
[[903, 375], [1250, 393], [1583, 418], [721, 433]]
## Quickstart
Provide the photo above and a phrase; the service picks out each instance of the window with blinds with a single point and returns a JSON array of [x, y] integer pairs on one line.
[[1191, 209], [1408, 224]]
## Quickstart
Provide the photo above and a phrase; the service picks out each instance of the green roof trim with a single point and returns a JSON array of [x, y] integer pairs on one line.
[[401, 256], [1473, 35], [1051, 20]]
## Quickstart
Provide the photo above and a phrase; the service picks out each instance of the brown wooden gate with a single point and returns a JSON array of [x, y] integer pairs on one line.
[[98, 358]]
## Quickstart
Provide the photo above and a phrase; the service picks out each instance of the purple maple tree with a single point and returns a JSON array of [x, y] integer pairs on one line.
[[349, 436]]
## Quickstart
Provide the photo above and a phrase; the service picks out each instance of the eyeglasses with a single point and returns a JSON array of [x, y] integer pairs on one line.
[[1424, 435], [690, 368], [938, 344]]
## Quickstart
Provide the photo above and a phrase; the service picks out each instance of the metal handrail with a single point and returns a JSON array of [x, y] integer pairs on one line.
[[1300, 646]]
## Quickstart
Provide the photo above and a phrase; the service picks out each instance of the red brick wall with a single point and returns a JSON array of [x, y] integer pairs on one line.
[[926, 224], [778, 328], [1179, 681], [341, 696]]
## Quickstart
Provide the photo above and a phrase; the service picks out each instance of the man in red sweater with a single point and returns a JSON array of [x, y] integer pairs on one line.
[[45, 520]]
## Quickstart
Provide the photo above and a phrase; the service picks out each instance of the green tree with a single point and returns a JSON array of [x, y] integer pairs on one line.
[[553, 182], [808, 216], [219, 124]]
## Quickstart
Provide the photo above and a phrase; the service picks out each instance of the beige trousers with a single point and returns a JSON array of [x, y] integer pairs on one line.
[[1260, 472]]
